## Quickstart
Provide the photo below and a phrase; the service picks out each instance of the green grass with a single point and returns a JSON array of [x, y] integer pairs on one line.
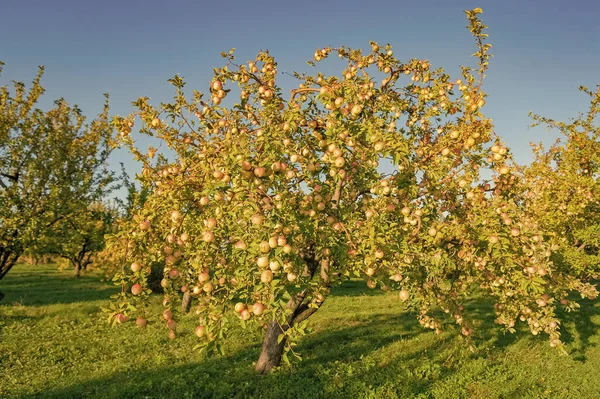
[[54, 343]]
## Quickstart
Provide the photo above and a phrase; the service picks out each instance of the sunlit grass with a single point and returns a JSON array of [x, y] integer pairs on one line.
[[55, 343]]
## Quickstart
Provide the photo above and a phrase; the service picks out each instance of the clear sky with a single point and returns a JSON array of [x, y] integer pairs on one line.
[[543, 49]]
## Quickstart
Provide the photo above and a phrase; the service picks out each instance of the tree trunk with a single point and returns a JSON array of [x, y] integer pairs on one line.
[[186, 303], [270, 355], [77, 269], [7, 261]]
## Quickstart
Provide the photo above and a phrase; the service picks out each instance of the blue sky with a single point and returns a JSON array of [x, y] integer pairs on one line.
[[543, 49]]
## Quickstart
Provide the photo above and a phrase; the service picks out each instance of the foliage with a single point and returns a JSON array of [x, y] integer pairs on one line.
[[564, 190], [52, 165], [269, 202], [78, 240], [364, 346]]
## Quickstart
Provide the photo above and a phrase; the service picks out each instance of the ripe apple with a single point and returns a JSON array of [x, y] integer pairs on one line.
[[168, 314], [211, 223], [144, 225], [292, 276], [264, 247], [174, 273], [203, 277], [272, 242], [257, 219], [266, 276], [136, 289], [263, 261], [379, 254], [172, 334], [274, 265], [404, 295], [200, 331], [136, 267], [258, 308], [371, 284], [171, 324], [121, 318], [239, 307], [207, 287], [245, 314], [155, 122], [208, 236], [141, 322]]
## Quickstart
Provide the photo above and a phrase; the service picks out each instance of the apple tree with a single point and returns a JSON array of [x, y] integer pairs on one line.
[[563, 190], [265, 200], [51, 162], [78, 240]]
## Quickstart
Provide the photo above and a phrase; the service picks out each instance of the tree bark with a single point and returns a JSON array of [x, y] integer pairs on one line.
[[270, 355], [186, 303], [77, 269], [7, 260]]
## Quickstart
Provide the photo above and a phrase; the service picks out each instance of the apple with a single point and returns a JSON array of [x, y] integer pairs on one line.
[[200, 331], [211, 223], [258, 308], [155, 122], [203, 277], [141, 322], [136, 267], [257, 219], [264, 247], [208, 236], [172, 334], [167, 314], [144, 225], [404, 295], [274, 265], [171, 324], [136, 289], [175, 216], [121, 318], [266, 276], [263, 261], [245, 314], [239, 307], [174, 273]]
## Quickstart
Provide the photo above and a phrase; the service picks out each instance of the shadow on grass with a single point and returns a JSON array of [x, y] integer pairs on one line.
[[233, 376], [45, 285], [578, 327]]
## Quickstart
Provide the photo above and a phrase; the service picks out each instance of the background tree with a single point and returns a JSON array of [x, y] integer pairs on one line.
[[78, 240], [564, 190], [51, 162], [266, 203]]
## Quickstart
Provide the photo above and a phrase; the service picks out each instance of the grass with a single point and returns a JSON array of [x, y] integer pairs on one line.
[[54, 343]]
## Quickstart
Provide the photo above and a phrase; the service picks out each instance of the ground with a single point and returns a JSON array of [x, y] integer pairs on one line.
[[55, 343]]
